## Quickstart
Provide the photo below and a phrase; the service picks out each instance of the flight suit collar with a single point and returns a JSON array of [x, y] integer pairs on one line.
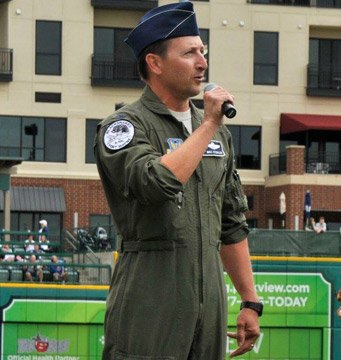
[[153, 103]]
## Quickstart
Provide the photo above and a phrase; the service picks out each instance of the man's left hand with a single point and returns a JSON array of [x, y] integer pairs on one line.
[[247, 331]]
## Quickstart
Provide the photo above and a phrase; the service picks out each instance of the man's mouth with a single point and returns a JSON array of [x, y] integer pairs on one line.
[[200, 78]]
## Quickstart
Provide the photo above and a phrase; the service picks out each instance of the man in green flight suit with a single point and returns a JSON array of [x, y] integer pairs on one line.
[[168, 173]]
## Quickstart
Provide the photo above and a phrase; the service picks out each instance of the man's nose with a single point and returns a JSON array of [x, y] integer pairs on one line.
[[202, 62]]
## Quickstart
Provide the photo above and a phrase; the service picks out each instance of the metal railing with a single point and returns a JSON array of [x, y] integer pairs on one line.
[[307, 3], [6, 64], [323, 162], [17, 240], [316, 162], [106, 70], [73, 273], [94, 239], [324, 77], [278, 164], [125, 4]]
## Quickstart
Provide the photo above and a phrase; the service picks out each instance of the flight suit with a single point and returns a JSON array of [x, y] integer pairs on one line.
[[167, 298]]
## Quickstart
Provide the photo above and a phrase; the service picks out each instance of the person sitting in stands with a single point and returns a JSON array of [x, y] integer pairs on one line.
[[43, 244], [29, 244], [7, 253], [321, 226], [57, 270], [33, 271], [311, 225], [37, 250]]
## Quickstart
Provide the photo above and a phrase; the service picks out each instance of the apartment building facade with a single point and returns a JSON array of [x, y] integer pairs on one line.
[[64, 67]]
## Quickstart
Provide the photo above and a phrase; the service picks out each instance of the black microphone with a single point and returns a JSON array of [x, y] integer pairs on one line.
[[227, 108]]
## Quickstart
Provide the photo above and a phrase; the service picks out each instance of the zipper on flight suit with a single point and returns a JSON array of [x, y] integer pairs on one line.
[[179, 199], [201, 279]]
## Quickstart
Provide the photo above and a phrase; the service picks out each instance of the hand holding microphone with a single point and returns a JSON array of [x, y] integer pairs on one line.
[[227, 108]]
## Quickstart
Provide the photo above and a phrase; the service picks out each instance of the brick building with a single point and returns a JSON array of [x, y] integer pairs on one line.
[[64, 67]]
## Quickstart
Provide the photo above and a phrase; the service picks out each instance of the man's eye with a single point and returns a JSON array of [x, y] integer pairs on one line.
[[205, 51]]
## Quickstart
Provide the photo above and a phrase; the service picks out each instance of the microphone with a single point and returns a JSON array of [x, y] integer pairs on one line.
[[227, 108]]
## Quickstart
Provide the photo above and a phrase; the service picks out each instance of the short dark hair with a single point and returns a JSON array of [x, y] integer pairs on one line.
[[158, 48]]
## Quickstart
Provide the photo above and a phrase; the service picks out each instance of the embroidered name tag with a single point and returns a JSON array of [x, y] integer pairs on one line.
[[214, 148]]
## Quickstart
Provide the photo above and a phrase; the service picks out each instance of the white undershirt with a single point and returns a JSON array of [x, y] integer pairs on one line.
[[184, 117]]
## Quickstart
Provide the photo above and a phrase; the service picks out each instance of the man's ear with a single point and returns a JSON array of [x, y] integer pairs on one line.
[[154, 63]]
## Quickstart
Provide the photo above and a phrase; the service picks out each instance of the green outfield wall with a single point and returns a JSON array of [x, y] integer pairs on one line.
[[65, 322]]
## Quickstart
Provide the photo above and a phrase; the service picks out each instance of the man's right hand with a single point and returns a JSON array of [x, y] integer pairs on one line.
[[213, 102]]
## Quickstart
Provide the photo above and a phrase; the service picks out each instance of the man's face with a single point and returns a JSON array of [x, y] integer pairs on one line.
[[183, 67]]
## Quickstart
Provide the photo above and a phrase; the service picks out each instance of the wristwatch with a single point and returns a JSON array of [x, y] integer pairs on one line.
[[256, 306]]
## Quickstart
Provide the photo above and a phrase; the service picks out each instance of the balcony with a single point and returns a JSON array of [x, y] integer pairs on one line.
[[106, 71], [308, 3], [6, 65], [125, 4], [324, 80], [325, 162], [321, 162]]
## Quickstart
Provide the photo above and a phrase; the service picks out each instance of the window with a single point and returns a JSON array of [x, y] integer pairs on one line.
[[325, 62], [23, 221], [91, 126], [33, 138], [48, 47], [46, 97], [265, 58], [113, 59], [252, 223], [250, 202], [205, 37], [247, 146]]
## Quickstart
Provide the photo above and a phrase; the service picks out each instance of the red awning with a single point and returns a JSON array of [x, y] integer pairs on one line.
[[291, 123]]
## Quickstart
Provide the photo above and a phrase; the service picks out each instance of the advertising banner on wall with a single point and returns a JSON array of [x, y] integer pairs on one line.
[[52, 330], [295, 324], [297, 310]]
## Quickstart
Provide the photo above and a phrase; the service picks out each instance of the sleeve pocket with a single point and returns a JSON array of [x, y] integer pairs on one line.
[[239, 200]]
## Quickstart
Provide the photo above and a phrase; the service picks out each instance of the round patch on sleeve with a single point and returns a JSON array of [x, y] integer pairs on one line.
[[119, 134]]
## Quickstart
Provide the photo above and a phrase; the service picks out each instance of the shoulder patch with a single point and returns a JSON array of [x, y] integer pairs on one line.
[[119, 134]]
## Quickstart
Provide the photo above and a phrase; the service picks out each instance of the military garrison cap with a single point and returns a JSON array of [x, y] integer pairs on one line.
[[164, 22]]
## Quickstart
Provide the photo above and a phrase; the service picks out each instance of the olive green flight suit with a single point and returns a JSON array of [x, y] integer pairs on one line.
[[167, 298]]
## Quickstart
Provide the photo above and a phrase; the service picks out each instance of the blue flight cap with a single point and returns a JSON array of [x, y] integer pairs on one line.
[[164, 22]]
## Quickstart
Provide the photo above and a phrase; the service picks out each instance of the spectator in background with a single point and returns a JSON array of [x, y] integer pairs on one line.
[[29, 244], [7, 253], [57, 269], [43, 243], [321, 226], [311, 225], [43, 228], [37, 250], [33, 272]]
